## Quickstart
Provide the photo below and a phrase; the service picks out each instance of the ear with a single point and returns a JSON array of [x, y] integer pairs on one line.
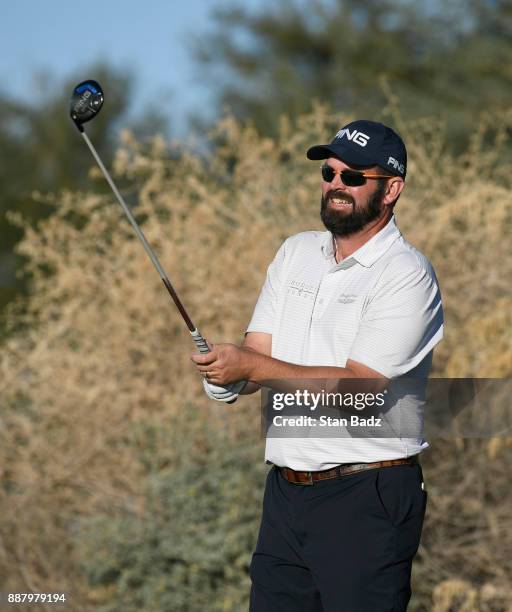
[[393, 190]]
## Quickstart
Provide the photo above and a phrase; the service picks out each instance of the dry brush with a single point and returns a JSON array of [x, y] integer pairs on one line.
[[100, 401]]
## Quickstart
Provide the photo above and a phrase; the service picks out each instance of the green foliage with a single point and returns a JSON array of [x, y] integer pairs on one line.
[[449, 61], [191, 547]]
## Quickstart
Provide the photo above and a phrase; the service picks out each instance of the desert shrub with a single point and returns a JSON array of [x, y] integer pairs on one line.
[[97, 368], [190, 548]]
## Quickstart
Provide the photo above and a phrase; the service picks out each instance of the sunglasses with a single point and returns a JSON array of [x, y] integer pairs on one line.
[[350, 178]]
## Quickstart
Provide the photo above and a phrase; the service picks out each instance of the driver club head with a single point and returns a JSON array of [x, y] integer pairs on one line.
[[86, 102]]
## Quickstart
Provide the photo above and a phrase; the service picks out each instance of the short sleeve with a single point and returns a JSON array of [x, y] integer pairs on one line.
[[264, 315], [403, 320]]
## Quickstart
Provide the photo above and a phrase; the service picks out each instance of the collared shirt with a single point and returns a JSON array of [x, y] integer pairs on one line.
[[381, 307]]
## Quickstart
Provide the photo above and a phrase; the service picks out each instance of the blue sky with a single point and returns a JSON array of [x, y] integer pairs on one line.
[[61, 38]]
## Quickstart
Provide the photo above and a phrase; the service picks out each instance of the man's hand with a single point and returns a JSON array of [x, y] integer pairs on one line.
[[226, 370], [224, 364]]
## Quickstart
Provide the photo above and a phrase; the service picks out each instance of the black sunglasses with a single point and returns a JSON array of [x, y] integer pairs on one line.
[[350, 178]]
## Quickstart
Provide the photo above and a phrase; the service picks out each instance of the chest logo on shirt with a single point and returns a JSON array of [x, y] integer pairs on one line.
[[302, 289], [347, 298]]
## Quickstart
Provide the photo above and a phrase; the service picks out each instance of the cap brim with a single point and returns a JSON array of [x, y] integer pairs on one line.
[[349, 156]]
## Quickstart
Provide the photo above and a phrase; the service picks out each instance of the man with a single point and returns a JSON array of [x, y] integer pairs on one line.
[[342, 516]]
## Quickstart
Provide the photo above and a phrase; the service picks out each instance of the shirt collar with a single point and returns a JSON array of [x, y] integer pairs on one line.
[[372, 250]]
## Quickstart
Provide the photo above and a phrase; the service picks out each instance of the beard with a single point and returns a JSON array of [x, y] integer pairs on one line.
[[347, 223]]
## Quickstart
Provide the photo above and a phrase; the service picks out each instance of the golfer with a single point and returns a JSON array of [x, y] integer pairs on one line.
[[342, 515]]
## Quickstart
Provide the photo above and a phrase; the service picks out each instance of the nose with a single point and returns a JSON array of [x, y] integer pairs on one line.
[[337, 183], [337, 178]]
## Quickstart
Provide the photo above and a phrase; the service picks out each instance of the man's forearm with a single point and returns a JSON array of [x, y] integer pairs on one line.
[[284, 376], [264, 368]]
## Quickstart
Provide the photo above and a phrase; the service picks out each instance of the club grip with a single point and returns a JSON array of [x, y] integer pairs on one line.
[[200, 341]]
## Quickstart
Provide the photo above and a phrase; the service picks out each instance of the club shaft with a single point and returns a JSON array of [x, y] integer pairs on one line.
[[197, 337]]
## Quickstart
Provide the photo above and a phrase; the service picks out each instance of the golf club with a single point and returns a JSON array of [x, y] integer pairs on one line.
[[86, 103]]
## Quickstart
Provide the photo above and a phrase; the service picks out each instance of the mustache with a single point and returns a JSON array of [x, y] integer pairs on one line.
[[336, 193]]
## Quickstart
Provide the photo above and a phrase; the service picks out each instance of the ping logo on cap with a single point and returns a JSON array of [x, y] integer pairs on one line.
[[396, 165], [358, 137]]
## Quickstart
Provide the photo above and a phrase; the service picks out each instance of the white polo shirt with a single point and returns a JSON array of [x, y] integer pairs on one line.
[[380, 307]]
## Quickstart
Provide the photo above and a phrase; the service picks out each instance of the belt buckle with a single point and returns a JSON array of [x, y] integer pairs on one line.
[[297, 480], [309, 480]]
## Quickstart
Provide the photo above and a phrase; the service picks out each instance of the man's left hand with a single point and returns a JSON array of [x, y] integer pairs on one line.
[[224, 364]]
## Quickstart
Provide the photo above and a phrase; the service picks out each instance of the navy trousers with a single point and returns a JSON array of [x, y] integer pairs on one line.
[[341, 545]]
